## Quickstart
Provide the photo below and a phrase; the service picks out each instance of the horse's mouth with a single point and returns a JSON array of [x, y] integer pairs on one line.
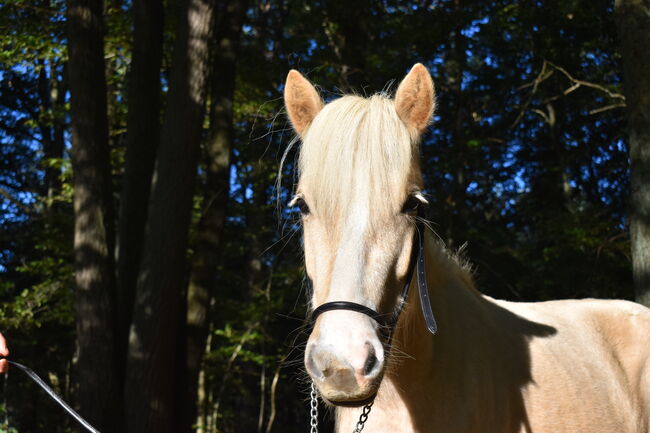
[[348, 394], [351, 403]]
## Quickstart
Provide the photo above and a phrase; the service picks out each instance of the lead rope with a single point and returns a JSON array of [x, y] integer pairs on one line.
[[28, 371], [313, 412], [4, 400]]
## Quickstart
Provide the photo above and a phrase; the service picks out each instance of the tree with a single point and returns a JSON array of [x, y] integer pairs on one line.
[[633, 19], [153, 361], [202, 288], [143, 136], [93, 210]]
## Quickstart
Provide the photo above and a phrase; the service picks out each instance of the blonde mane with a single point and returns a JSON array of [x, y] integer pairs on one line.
[[357, 148]]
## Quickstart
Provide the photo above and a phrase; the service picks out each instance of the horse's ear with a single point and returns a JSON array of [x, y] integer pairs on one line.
[[415, 99], [302, 101]]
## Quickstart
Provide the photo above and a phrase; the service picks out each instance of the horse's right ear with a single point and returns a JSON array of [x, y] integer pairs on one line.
[[302, 101]]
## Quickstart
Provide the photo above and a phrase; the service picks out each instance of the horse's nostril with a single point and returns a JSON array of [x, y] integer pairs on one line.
[[315, 363], [371, 361]]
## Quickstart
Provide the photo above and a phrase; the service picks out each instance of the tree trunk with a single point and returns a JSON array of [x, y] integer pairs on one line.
[[151, 362], [206, 258], [143, 136], [347, 30], [633, 20], [61, 86], [93, 232], [457, 208], [51, 92], [47, 131]]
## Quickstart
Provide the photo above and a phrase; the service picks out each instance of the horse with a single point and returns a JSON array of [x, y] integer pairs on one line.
[[493, 366]]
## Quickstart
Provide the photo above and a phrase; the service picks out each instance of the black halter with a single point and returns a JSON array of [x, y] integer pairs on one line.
[[416, 261]]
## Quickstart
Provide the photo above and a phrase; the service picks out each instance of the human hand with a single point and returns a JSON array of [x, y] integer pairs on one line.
[[4, 364]]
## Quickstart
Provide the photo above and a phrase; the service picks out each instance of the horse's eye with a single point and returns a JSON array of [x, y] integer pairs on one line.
[[412, 204], [301, 204]]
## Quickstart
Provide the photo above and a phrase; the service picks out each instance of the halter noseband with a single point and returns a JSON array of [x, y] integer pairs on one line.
[[416, 261]]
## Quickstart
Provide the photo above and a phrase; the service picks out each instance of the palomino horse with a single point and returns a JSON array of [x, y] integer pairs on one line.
[[493, 366]]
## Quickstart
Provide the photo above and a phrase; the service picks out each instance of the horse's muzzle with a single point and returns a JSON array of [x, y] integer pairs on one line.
[[347, 371]]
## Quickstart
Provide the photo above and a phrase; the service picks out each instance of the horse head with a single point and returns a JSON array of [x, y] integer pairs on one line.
[[359, 190]]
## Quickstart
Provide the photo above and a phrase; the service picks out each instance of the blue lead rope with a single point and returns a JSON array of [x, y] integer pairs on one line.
[[28, 371]]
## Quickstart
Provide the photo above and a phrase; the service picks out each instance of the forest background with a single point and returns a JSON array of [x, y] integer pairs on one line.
[[149, 267]]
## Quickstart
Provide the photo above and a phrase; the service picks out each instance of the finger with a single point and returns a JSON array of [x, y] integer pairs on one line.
[[4, 351], [4, 366]]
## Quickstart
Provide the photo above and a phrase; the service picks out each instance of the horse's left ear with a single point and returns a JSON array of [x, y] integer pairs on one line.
[[415, 99]]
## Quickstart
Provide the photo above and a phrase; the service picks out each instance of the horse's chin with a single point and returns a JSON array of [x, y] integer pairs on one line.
[[352, 395]]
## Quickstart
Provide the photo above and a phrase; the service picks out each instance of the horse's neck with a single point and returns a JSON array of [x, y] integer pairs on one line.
[[457, 306], [433, 374]]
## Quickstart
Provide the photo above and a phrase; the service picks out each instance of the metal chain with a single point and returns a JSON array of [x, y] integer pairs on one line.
[[313, 412], [363, 417]]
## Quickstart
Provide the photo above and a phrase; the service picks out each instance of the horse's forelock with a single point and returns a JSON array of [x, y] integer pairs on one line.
[[357, 149]]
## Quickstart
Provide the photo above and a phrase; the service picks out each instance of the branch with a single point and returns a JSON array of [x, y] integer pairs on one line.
[[274, 384], [15, 201], [607, 107], [548, 68], [577, 83], [542, 114], [542, 76], [260, 418], [231, 361]]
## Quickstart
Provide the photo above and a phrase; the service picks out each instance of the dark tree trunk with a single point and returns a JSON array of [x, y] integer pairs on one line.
[[550, 192], [152, 358], [58, 143], [93, 215], [633, 19], [143, 136], [46, 129], [457, 208], [202, 286], [347, 29], [51, 128]]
